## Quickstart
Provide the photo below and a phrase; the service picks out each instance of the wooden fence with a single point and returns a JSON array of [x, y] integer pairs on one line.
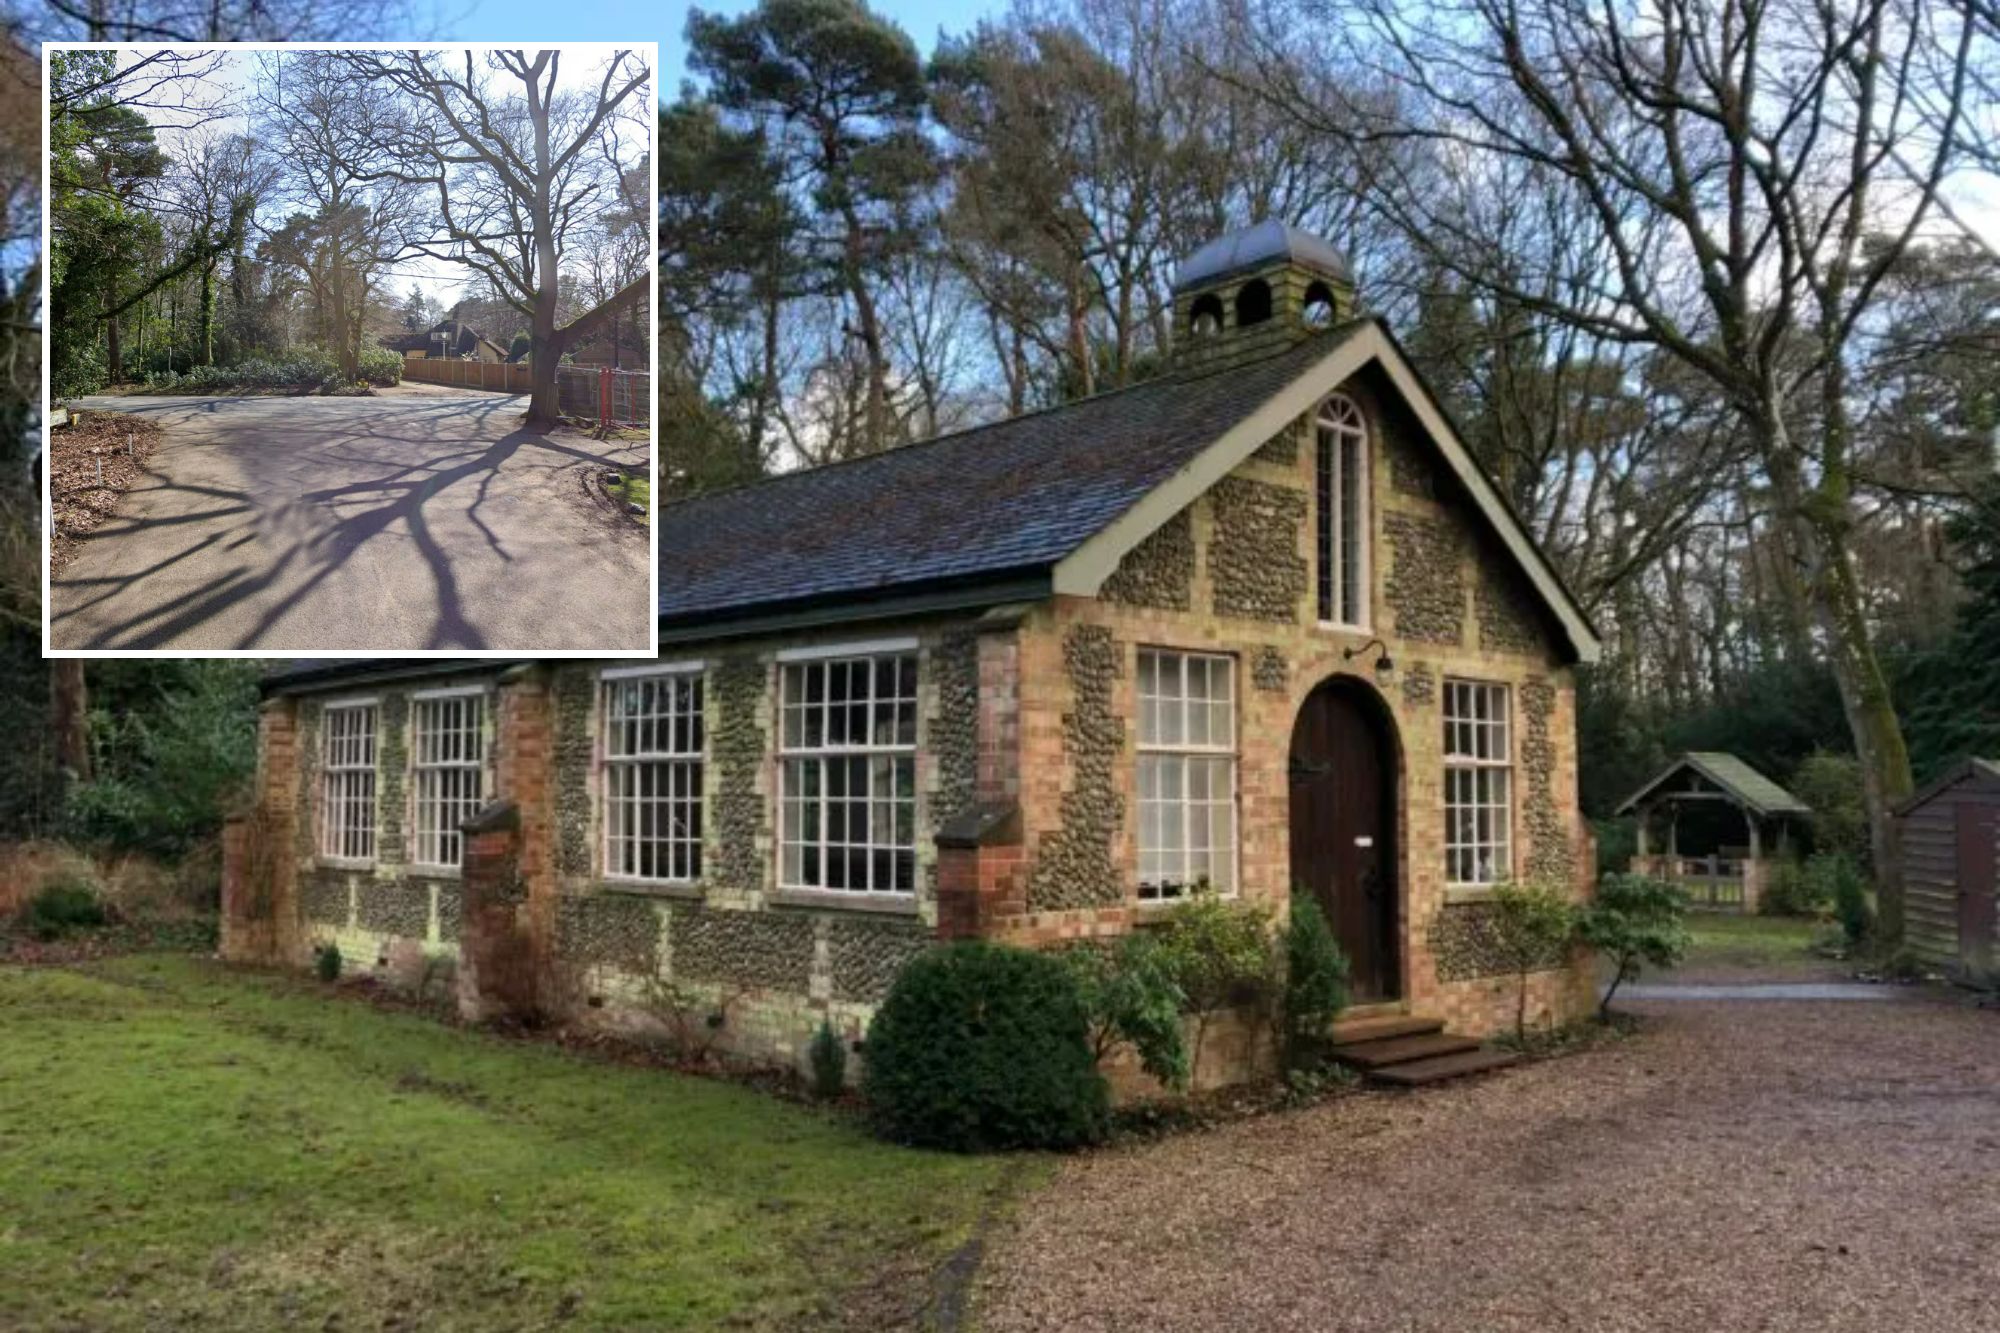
[[1719, 882], [498, 376], [592, 393]]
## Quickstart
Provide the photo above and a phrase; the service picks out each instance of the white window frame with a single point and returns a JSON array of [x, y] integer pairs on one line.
[[674, 764], [1338, 422], [796, 750], [1173, 755], [347, 770], [1474, 744], [435, 817]]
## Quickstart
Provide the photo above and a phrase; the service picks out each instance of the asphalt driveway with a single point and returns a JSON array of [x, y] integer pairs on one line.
[[1761, 1164], [407, 521]]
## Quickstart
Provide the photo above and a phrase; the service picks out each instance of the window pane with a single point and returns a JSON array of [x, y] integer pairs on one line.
[[653, 776], [850, 812]]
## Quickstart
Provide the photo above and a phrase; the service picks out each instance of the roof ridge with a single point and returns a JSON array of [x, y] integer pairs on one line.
[[1169, 377]]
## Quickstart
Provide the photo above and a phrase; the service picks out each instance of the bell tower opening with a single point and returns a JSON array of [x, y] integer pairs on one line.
[[1255, 292]]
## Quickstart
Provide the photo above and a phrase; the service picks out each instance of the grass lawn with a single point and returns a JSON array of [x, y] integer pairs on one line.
[[1748, 941], [637, 490], [186, 1146]]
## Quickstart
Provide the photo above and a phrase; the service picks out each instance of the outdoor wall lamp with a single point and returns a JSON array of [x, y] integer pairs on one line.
[[1385, 665]]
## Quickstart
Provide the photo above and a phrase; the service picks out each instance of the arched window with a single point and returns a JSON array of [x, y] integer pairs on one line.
[[1320, 309], [1205, 319], [1342, 494], [1253, 303]]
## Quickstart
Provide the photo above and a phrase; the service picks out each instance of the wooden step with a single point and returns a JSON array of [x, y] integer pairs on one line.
[[1416, 1073], [1353, 1031], [1373, 1055]]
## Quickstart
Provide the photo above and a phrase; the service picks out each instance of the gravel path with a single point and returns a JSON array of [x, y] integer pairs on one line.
[[1764, 1165]]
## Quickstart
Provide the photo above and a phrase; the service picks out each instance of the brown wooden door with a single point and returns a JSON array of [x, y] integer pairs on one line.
[[1343, 823], [1978, 831]]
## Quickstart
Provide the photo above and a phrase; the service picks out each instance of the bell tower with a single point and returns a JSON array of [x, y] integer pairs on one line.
[[1255, 292]]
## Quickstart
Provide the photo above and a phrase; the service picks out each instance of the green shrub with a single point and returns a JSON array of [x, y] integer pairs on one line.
[[1789, 892], [1316, 972], [62, 906], [80, 373], [326, 962], [980, 1047], [1835, 877], [1634, 921], [827, 1057], [1831, 785], [173, 754], [379, 365], [1219, 952], [1533, 925], [1130, 997], [1617, 843], [308, 368]]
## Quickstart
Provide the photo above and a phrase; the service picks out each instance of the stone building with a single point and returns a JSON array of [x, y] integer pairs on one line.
[[1261, 624]]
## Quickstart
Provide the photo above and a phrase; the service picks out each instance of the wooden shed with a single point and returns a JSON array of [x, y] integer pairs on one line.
[[1950, 833]]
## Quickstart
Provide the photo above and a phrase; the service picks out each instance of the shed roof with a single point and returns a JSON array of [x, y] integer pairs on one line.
[[1744, 784], [1984, 770]]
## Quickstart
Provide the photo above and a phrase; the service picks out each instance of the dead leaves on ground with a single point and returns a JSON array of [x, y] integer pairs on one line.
[[91, 464]]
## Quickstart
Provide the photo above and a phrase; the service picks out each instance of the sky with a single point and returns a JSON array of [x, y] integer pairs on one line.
[[1978, 199], [439, 278], [648, 20]]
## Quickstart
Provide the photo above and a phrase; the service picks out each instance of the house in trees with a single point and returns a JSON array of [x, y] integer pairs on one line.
[[449, 338], [1261, 625]]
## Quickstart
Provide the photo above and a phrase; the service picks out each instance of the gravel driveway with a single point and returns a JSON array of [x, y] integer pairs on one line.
[[406, 521], [1752, 1165]]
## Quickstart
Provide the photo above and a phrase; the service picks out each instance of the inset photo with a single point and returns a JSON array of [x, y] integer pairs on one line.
[[349, 349]]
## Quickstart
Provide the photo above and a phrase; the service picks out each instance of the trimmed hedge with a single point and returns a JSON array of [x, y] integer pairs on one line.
[[981, 1047]]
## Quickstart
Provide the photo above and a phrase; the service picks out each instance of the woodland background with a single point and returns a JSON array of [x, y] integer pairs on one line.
[[1697, 278]]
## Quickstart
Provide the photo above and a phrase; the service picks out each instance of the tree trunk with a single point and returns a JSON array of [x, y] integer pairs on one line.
[[69, 702], [1820, 523], [339, 330], [876, 413], [544, 404], [1079, 338], [208, 313]]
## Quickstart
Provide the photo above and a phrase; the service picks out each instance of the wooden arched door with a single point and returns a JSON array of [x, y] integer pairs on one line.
[[1343, 821]]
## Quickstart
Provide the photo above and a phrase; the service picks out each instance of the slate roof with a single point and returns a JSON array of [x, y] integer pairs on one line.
[[1009, 499], [463, 339], [1733, 775]]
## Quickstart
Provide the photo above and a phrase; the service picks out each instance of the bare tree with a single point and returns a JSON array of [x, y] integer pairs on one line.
[[1734, 155], [216, 20], [220, 177], [332, 133], [518, 169]]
